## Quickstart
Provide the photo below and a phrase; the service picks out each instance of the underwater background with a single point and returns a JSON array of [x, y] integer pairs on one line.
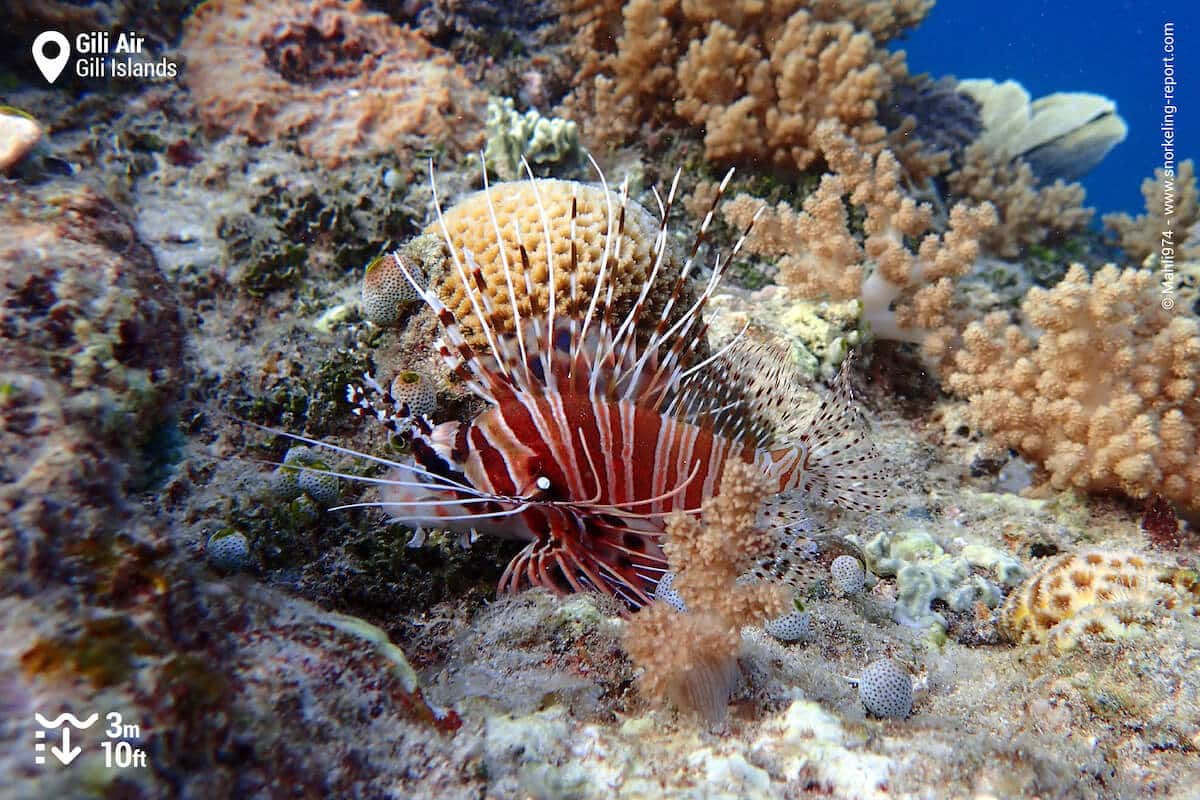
[[1111, 48], [599, 398]]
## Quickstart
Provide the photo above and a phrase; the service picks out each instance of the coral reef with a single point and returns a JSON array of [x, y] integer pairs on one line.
[[518, 206], [90, 335], [163, 281], [1143, 236], [906, 295], [815, 335], [756, 77], [271, 221], [1129, 427], [534, 650], [105, 601], [344, 80], [1107, 594], [708, 559], [513, 136]]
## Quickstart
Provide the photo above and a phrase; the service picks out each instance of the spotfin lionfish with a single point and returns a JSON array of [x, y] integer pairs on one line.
[[594, 435]]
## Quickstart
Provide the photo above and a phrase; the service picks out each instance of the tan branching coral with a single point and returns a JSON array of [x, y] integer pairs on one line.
[[907, 295], [1028, 214], [343, 79], [883, 19], [758, 77], [1104, 396], [690, 658], [1143, 235]]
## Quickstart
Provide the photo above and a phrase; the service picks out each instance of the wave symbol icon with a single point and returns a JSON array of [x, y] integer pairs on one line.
[[68, 717]]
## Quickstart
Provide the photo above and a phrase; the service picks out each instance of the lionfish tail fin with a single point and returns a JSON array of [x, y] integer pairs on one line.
[[832, 455]]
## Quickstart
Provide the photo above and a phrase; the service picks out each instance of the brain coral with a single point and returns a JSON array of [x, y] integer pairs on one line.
[[516, 204], [345, 80], [1099, 590]]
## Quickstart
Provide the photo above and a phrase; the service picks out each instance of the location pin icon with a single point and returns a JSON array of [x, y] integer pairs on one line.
[[51, 67]]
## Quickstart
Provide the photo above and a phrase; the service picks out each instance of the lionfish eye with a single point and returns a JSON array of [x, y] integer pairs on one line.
[[542, 483]]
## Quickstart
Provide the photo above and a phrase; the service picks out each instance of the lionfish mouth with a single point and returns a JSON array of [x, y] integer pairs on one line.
[[599, 424]]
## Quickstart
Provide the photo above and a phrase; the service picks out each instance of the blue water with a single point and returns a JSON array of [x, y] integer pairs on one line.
[[1106, 47]]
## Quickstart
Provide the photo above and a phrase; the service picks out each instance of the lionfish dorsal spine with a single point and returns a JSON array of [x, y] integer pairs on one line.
[[626, 334], [671, 370], [608, 240], [522, 352], [472, 296], [552, 278]]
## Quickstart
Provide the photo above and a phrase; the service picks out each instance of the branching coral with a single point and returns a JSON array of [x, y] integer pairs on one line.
[[1028, 214], [691, 658], [1104, 396], [344, 79], [1143, 235], [757, 76], [883, 19], [906, 295], [513, 136]]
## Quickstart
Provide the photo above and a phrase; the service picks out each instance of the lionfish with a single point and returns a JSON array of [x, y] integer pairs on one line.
[[593, 435]]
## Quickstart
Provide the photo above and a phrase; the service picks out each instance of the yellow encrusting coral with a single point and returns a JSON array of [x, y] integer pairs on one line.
[[1098, 593], [1104, 394], [690, 658], [518, 208]]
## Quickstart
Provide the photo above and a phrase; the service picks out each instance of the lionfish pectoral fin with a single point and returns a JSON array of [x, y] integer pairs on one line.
[[373, 400], [786, 515], [750, 390], [617, 562], [804, 562], [548, 566], [832, 455]]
